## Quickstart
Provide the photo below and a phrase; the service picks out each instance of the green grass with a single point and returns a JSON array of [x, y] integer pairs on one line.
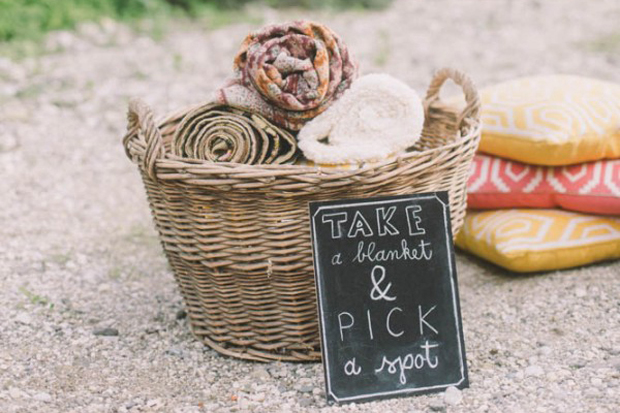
[[35, 298], [332, 4], [608, 43], [28, 20], [196, 7], [60, 258]]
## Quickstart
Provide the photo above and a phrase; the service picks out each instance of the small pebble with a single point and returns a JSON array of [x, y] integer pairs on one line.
[[42, 397], [452, 396], [153, 403], [181, 314], [16, 393], [173, 351], [305, 402], [600, 366], [614, 363], [437, 405], [243, 404], [260, 373], [23, 318], [577, 364], [591, 392], [544, 350], [106, 332], [534, 371], [306, 389], [551, 376], [133, 403], [559, 394]]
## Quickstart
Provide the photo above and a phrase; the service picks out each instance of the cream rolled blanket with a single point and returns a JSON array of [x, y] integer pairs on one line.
[[377, 117]]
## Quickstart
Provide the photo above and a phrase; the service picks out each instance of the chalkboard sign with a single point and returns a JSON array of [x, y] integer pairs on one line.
[[387, 297]]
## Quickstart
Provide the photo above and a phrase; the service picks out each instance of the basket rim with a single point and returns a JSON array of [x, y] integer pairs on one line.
[[144, 144], [178, 162]]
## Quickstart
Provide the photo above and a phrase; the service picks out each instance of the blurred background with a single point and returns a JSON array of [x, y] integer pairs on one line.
[[29, 19], [78, 250]]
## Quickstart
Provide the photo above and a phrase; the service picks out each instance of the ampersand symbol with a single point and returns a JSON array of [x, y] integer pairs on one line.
[[377, 293]]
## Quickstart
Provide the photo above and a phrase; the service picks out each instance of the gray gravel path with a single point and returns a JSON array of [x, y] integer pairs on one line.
[[91, 318]]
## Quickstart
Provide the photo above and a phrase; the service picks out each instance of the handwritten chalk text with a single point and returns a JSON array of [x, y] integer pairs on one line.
[[397, 322], [369, 252], [382, 225], [410, 361]]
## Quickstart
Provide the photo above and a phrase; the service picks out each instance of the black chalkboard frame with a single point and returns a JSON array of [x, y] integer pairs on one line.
[[442, 197]]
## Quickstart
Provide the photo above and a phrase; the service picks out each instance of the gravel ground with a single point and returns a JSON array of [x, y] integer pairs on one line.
[[92, 320]]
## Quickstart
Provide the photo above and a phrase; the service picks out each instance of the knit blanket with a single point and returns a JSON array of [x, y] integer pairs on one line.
[[377, 117], [221, 133], [289, 73]]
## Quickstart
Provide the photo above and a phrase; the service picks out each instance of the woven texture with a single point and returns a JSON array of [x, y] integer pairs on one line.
[[238, 236], [220, 133]]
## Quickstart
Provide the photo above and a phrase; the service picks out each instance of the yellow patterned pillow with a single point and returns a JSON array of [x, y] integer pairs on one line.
[[526, 240], [552, 120]]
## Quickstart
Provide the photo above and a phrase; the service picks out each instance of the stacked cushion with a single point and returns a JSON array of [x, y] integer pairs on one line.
[[549, 142], [592, 187], [526, 240], [552, 120]]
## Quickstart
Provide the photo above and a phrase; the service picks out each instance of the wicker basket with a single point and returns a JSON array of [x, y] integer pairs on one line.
[[238, 236]]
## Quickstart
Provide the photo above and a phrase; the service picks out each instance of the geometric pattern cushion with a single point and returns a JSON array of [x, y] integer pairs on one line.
[[592, 187], [527, 240], [552, 120]]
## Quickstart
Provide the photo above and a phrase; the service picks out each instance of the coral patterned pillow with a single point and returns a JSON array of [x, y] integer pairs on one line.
[[592, 187], [552, 120], [526, 240]]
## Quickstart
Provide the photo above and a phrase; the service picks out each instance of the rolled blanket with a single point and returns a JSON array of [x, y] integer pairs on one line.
[[221, 133], [289, 73], [377, 117]]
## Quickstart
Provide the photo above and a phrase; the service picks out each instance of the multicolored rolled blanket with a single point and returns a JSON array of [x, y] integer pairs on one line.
[[289, 73], [222, 133]]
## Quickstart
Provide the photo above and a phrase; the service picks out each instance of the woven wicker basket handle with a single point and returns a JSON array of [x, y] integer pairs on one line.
[[142, 132], [472, 99]]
